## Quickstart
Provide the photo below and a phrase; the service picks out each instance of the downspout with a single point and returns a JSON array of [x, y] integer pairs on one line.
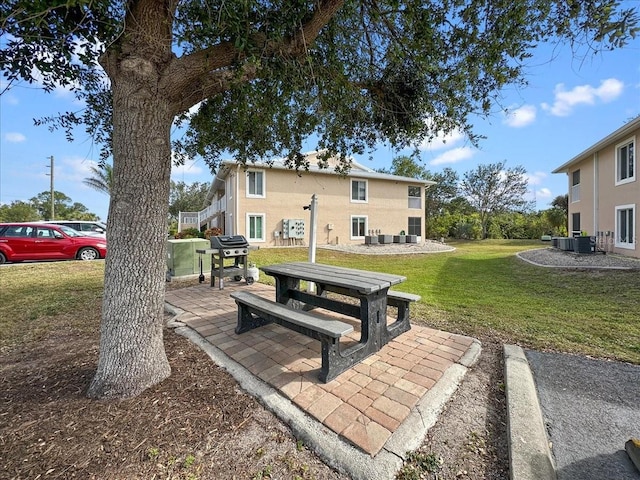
[[596, 196]]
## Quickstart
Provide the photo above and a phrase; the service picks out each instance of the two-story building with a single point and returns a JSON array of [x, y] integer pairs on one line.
[[265, 203], [604, 191]]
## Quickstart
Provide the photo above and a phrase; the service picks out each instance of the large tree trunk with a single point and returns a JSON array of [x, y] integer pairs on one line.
[[149, 86], [132, 356]]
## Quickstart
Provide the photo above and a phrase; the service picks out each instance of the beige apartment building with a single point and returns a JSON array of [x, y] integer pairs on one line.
[[604, 191], [266, 204]]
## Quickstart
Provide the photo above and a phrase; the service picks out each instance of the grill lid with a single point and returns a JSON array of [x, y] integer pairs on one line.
[[229, 241]]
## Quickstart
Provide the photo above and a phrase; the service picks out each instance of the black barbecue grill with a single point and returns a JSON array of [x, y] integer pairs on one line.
[[225, 247], [230, 245]]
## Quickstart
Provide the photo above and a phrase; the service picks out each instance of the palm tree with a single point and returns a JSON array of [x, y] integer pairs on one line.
[[102, 178]]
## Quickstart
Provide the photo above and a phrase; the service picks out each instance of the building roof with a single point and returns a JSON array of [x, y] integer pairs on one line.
[[357, 171], [619, 134]]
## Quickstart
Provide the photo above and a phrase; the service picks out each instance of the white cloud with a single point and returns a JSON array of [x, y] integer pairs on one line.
[[535, 178], [455, 155], [566, 100], [521, 117], [443, 141], [543, 192], [74, 169], [14, 137]]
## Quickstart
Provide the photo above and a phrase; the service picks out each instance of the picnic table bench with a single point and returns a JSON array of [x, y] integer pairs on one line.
[[255, 311], [293, 309]]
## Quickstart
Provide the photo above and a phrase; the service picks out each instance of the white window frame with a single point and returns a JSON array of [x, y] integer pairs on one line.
[[264, 183], [366, 226], [421, 222], [575, 187], [248, 226], [628, 245], [626, 143], [412, 200], [366, 190]]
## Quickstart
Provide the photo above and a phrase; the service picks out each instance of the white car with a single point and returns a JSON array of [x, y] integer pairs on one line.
[[87, 228]]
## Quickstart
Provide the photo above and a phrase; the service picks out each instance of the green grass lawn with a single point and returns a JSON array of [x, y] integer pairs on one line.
[[480, 289], [483, 289]]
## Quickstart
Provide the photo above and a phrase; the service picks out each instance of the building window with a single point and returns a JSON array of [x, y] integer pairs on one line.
[[415, 197], [415, 226], [625, 226], [575, 186], [625, 162], [359, 191], [575, 224], [255, 183], [358, 227], [255, 227]]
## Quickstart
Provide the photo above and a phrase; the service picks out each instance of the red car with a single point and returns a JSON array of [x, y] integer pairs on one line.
[[37, 241]]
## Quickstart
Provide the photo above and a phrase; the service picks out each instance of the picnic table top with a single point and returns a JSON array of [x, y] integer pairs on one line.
[[360, 281]]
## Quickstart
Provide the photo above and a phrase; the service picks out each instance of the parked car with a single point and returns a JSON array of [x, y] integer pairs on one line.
[[39, 241], [92, 229]]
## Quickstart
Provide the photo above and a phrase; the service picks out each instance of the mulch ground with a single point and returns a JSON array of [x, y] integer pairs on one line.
[[198, 424], [195, 425]]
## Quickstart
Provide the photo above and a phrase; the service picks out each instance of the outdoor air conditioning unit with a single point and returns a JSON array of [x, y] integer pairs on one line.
[[566, 244]]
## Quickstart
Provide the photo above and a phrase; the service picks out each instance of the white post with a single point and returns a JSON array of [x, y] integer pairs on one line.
[[313, 207], [313, 228]]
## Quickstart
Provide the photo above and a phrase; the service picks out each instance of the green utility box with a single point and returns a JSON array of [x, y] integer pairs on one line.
[[182, 258]]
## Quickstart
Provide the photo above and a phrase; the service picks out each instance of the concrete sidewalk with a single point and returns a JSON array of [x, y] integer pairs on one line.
[[363, 422]]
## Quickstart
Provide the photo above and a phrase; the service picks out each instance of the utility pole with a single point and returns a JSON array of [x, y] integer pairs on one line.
[[52, 190]]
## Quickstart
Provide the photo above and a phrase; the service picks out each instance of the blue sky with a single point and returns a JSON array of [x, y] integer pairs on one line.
[[569, 104]]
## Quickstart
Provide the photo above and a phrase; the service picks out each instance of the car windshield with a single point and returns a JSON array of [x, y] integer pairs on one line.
[[70, 231]]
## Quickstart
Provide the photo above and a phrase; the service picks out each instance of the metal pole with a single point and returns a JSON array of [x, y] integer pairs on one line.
[[52, 189]]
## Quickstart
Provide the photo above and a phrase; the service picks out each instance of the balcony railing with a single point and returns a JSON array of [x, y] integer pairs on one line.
[[197, 219], [575, 193]]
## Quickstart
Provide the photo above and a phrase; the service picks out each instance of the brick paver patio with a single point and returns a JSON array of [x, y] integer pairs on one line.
[[364, 405]]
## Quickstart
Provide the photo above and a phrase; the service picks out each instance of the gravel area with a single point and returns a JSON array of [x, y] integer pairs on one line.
[[392, 248], [552, 257], [543, 257]]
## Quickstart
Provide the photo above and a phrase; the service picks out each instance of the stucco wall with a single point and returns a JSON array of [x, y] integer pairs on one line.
[[286, 194], [599, 194]]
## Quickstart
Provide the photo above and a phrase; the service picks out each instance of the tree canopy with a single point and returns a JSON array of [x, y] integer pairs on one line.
[[39, 208], [493, 189], [64, 207], [264, 75], [405, 166], [101, 179], [185, 197], [18, 211], [352, 72]]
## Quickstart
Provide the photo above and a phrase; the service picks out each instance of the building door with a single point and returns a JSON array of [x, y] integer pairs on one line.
[[575, 224]]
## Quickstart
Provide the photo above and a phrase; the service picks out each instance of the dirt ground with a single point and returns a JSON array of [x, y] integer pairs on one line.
[[199, 425]]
